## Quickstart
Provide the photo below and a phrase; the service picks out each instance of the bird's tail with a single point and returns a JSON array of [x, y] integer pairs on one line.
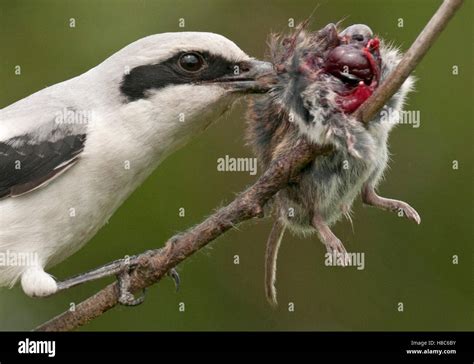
[[271, 255]]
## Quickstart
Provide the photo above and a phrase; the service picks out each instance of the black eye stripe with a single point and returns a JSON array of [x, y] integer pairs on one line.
[[169, 72]]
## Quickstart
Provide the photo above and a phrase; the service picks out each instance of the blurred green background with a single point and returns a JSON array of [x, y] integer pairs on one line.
[[403, 262]]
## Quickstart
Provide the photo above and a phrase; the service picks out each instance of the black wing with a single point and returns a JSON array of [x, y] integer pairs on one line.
[[31, 160]]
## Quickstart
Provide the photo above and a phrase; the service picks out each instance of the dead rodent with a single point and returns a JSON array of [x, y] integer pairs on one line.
[[323, 77]]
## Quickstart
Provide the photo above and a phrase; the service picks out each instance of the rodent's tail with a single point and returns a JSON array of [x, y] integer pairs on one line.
[[271, 255]]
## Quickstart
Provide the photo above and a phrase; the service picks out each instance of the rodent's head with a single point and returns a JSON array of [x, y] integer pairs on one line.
[[323, 77], [343, 67]]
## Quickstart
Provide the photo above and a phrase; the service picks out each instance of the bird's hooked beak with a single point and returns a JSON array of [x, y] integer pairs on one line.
[[251, 76]]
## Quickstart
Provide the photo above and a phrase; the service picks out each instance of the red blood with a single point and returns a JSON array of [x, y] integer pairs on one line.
[[350, 62], [351, 102], [373, 44], [371, 50]]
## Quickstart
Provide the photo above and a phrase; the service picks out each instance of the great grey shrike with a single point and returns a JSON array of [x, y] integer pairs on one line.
[[72, 153]]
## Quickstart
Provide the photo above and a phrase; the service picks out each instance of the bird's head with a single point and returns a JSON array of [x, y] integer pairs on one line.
[[176, 84]]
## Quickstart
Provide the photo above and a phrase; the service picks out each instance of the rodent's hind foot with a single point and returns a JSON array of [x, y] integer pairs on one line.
[[371, 198], [333, 245], [337, 250], [37, 283], [408, 211]]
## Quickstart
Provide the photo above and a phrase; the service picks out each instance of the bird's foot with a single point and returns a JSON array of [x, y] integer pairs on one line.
[[119, 268], [114, 268], [125, 297]]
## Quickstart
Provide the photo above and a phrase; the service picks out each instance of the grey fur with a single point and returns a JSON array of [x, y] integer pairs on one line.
[[298, 106], [327, 187]]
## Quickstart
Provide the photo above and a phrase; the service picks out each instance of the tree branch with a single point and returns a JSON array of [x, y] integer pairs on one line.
[[152, 266], [410, 60]]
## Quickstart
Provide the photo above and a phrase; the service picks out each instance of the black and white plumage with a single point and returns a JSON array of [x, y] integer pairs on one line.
[[72, 153], [312, 99], [30, 160]]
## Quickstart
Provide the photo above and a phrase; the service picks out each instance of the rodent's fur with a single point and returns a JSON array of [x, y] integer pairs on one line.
[[297, 106]]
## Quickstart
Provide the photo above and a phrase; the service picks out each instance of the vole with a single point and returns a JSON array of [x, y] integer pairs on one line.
[[323, 78]]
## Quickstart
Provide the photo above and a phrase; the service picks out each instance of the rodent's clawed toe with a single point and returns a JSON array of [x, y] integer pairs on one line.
[[409, 212]]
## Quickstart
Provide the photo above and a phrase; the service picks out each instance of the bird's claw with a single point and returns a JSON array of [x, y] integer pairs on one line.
[[173, 273], [175, 276], [126, 298]]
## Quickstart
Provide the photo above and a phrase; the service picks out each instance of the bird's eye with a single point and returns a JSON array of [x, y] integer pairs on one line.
[[191, 62]]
